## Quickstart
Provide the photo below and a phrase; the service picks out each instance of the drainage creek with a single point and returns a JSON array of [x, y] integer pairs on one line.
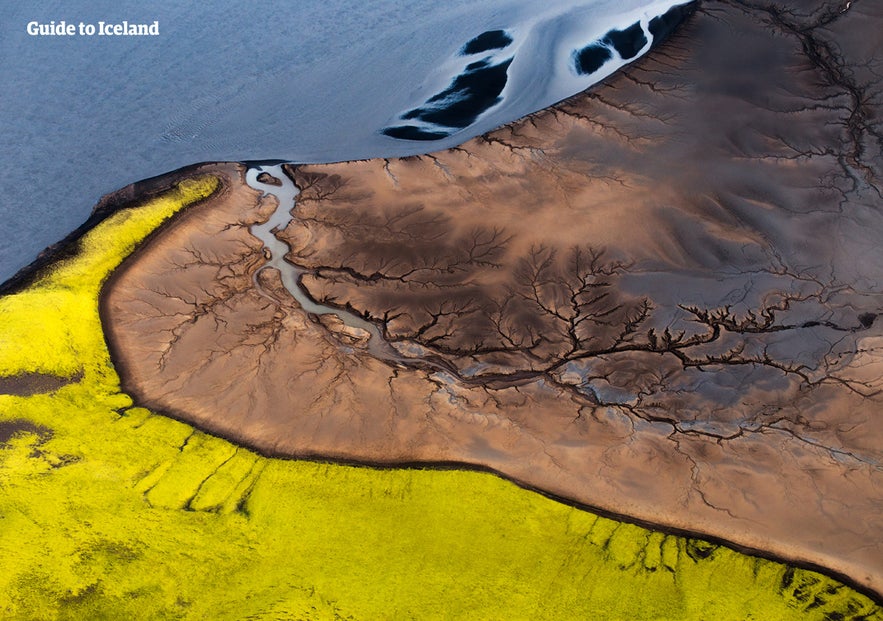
[[399, 353], [291, 273]]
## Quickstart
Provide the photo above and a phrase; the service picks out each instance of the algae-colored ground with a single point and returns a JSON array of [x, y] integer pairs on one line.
[[110, 511]]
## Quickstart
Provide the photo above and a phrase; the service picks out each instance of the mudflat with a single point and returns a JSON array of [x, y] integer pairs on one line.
[[658, 298]]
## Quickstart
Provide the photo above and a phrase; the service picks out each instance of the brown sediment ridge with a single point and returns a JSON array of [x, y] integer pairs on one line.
[[659, 298]]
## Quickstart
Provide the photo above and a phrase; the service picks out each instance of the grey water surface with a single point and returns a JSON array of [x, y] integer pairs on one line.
[[307, 81]]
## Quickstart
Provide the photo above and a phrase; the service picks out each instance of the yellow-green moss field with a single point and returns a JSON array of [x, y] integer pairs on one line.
[[108, 511]]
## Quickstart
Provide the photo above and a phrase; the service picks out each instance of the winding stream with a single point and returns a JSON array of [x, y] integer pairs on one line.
[[291, 273]]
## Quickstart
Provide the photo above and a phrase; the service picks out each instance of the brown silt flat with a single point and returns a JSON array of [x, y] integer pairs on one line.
[[658, 298]]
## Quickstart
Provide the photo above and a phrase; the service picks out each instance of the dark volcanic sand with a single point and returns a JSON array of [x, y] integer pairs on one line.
[[658, 298]]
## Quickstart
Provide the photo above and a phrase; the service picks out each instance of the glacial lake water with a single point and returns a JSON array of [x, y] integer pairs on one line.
[[312, 81]]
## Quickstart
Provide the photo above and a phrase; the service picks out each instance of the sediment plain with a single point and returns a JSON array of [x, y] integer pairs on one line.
[[658, 298], [110, 510]]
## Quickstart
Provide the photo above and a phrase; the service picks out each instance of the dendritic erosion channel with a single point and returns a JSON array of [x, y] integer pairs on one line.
[[272, 181], [659, 298]]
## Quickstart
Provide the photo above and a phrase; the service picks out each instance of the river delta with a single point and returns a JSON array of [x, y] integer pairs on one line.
[[644, 319]]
